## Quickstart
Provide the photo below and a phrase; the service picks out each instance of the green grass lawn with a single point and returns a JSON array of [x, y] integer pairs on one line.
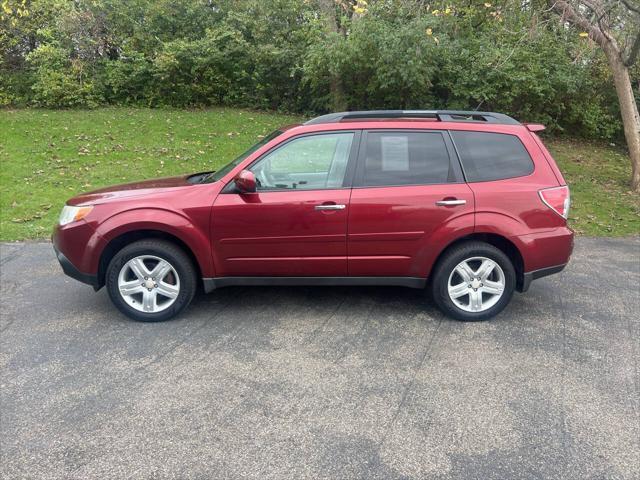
[[49, 156], [601, 202]]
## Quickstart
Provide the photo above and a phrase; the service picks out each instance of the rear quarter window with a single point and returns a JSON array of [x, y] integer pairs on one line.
[[491, 156]]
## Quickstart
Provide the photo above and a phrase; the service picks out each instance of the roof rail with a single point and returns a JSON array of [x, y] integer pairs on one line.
[[440, 115]]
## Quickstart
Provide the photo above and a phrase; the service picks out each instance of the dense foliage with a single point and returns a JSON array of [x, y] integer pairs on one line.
[[307, 56]]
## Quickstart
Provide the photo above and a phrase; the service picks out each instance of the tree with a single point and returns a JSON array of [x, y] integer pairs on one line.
[[338, 14], [615, 26]]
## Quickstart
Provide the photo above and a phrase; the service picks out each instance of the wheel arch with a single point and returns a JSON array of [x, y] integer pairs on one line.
[[119, 242], [499, 241]]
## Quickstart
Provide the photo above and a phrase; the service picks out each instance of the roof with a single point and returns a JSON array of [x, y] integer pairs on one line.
[[438, 115]]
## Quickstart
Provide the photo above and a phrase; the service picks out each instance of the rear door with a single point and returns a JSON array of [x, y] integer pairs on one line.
[[408, 189], [296, 223]]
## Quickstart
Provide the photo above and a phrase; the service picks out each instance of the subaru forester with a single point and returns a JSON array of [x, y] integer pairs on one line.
[[469, 206]]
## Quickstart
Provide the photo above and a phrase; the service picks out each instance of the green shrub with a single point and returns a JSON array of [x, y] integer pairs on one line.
[[283, 55], [59, 82]]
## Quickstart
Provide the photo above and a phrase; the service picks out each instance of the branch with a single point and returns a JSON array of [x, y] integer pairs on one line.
[[631, 7], [594, 5], [568, 13], [598, 9], [633, 53]]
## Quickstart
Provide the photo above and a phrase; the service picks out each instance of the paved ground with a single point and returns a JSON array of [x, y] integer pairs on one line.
[[323, 382]]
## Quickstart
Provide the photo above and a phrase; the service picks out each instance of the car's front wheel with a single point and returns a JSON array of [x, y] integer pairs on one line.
[[151, 280], [473, 281]]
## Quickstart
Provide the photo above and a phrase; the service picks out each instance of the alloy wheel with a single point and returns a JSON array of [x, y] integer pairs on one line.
[[148, 283], [476, 284]]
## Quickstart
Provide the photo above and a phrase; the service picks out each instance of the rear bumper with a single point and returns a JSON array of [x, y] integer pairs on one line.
[[529, 277], [545, 249], [71, 270], [543, 253]]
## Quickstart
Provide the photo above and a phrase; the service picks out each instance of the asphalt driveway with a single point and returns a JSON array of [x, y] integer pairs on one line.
[[323, 382]]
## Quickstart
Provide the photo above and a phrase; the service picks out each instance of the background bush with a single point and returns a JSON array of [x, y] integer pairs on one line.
[[302, 56]]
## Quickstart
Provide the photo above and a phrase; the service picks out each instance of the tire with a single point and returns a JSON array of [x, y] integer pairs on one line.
[[168, 294], [466, 307]]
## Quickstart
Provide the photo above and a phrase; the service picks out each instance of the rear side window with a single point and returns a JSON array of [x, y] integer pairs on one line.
[[491, 156], [404, 158]]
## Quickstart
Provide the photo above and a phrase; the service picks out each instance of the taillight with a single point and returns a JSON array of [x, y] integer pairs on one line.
[[557, 199]]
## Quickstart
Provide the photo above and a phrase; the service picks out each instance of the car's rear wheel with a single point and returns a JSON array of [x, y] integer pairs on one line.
[[473, 281], [151, 280]]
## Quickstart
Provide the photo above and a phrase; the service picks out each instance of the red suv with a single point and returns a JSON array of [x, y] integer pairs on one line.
[[469, 205]]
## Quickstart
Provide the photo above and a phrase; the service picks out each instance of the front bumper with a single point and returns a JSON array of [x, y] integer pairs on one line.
[[71, 270], [78, 246]]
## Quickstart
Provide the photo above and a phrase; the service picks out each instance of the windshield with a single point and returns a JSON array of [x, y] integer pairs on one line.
[[217, 175]]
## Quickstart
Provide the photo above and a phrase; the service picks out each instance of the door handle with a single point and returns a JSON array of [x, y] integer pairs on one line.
[[330, 207], [449, 203]]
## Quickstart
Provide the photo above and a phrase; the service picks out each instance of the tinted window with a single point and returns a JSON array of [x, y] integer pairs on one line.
[[405, 158], [307, 163], [491, 156]]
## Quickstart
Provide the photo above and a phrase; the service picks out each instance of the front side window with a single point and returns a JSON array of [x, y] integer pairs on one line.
[[313, 162], [491, 156], [405, 158]]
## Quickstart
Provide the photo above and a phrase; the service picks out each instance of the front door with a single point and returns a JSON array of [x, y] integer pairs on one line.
[[296, 222]]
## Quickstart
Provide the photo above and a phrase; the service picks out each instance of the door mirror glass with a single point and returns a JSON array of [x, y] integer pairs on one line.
[[245, 182]]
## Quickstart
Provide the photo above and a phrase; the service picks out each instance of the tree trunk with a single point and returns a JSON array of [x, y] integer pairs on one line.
[[338, 103], [629, 111], [336, 88]]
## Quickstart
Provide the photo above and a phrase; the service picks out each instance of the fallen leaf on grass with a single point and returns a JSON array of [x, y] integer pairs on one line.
[[30, 218]]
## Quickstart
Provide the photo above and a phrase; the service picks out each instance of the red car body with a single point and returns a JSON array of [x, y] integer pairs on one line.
[[395, 233]]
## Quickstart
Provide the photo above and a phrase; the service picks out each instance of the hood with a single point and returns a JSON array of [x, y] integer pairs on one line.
[[134, 189]]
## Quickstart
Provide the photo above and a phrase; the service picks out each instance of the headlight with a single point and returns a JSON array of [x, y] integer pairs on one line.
[[73, 214]]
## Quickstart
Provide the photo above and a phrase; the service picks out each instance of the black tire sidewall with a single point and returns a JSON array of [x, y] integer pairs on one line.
[[451, 259], [167, 251]]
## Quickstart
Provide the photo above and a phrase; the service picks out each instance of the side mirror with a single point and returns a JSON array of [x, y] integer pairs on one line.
[[245, 182]]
